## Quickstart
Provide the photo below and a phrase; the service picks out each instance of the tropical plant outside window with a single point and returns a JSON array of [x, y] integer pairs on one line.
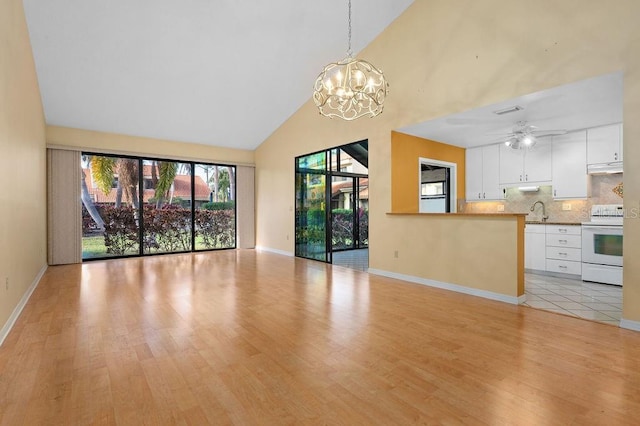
[[134, 206]]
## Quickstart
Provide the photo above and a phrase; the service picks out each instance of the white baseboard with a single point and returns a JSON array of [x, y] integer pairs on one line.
[[452, 287], [630, 325], [4, 332], [276, 251]]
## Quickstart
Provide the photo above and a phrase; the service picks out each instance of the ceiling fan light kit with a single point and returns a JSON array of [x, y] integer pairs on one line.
[[525, 136], [350, 88]]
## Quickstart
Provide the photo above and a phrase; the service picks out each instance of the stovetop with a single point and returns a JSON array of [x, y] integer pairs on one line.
[[606, 214]]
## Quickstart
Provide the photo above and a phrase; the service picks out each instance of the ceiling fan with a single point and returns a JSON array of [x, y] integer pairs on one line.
[[525, 135]]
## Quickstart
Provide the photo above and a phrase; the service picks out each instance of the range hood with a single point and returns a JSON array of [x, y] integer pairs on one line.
[[604, 168]]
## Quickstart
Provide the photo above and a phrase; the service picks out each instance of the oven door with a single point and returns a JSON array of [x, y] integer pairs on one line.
[[602, 244]]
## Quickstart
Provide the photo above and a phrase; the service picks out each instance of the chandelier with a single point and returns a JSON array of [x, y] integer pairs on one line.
[[350, 88]]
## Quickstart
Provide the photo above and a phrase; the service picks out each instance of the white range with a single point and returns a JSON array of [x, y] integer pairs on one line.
[[602, 244]]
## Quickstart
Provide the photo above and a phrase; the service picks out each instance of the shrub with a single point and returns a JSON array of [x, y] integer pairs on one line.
[[167, 229], [120, 229], [219, 205], [216, 228]]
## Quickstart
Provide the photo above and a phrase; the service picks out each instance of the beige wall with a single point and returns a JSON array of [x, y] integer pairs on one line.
[[447, 56], [22, 163], [450, 249], [65, 137]]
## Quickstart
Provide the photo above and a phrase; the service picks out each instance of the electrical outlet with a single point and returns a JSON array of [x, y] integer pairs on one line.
[[500, 207], [395, 254], [566, 206]]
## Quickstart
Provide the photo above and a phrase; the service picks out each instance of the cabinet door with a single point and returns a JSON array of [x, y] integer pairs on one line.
[[537, 161], [491, 172], [534, 247], [569, 165], [473, 174], [603, 144], [511, 165]]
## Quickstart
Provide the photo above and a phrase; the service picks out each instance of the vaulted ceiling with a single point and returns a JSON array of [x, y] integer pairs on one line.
[[218, 72]]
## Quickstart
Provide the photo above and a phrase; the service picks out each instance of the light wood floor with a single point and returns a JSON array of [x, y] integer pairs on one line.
[[240, 337]]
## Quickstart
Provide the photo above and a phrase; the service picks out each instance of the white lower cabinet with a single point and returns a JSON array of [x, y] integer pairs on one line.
[[553, 248], [534, 247], [564, 249]]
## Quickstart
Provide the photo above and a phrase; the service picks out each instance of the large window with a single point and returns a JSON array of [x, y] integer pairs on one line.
[[139, 206]]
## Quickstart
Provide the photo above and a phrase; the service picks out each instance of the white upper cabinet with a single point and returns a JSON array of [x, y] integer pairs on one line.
[[526, 165], [491, 172], [473, 174], [604, 144], [569, 153], [482, 173]]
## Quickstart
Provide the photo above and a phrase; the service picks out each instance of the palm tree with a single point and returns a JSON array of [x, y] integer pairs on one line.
[[88, 204], [104, 170], [215, 183], [224, 183], [163, 173], [232, 182]]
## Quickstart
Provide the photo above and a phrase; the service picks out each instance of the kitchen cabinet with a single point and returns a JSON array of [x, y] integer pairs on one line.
[[569, 165], [526, 165], [553, 248], [482, 174], [564, 249], [604, 144], [535, 247]]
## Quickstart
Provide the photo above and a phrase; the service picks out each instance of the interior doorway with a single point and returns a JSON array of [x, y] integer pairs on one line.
[[332, 206], [438, 186]]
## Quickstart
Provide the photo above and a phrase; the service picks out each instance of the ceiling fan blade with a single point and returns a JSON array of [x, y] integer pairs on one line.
[[474, 122], [549, 132]]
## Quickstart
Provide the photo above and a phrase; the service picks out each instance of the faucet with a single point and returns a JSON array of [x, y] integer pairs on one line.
[[544, 210]]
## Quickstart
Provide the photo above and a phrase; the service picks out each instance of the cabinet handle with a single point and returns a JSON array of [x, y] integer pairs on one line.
[[562, 230], [562, 241], [554, 193], [562, 254], [562, 267], [484, 195], [520, 178], [615, 156], [479, 195], [526, 178]]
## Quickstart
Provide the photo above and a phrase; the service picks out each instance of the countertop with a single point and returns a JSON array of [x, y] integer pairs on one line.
[[504, 215], [550, 222]]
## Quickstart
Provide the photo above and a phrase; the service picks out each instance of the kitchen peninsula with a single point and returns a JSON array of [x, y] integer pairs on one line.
[[477, 254]]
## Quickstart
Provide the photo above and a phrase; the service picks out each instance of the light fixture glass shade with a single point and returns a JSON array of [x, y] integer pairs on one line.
[[350, 89], [521, 140]]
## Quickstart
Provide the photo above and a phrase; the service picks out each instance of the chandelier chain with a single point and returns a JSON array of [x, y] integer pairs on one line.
[[349, 52]]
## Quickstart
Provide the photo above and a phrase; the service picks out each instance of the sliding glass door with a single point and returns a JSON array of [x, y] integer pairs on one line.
[[332, 201], [110, 206], [134, 206], [215, 212], [167, 206], [311, 210]]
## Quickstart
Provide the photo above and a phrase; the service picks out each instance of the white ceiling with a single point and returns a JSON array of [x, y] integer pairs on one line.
[[587, 103], [219, 72]]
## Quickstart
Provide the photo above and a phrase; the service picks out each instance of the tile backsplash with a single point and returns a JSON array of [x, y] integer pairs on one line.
[[602, 192]]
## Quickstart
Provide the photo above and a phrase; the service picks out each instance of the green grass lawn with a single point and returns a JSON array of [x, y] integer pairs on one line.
[[93, 247]]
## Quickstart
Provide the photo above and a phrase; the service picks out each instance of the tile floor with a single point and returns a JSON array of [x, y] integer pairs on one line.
[[354, 259], [597, 302]]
